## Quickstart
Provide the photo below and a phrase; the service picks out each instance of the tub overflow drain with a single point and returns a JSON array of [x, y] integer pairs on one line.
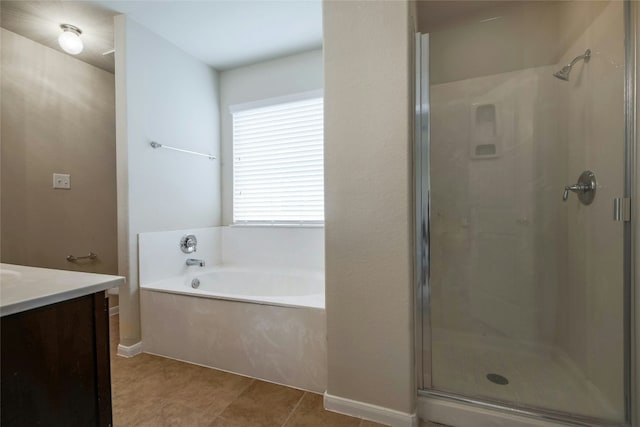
[[497, 379], [195, 283]]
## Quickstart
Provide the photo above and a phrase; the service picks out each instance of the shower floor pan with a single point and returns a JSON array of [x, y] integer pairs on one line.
[[538, 377]]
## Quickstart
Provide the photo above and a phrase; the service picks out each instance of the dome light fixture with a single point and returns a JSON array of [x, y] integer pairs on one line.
[[69, 40]]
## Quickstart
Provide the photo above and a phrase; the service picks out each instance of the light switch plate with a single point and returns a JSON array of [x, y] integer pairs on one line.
[[62, 181]]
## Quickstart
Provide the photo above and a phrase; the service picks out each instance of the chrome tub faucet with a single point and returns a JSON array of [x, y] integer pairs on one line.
[[193, 261]]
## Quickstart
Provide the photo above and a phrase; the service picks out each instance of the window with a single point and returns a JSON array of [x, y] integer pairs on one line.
[[278, 163]]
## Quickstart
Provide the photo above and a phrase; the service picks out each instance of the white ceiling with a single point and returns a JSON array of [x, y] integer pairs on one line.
[[227, 33], [222, 33], [40, 21]]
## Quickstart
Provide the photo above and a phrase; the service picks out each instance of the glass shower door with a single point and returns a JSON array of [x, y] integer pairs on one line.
[[526, 154]]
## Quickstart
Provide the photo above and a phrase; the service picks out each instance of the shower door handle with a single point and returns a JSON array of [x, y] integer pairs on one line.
[[585, 188]]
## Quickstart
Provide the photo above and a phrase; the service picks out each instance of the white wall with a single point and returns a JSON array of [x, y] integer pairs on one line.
[[290, 248], [270, 79], [267, 248], [162, 95], [160, 256], [368, 48]]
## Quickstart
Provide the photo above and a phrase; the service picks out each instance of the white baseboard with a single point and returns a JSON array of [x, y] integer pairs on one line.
[[370, 412], [462, 415], [114, 310], [130, 351]]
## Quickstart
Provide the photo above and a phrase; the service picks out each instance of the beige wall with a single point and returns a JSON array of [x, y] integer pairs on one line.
[[500, 36], [57, 116], [368, 48]]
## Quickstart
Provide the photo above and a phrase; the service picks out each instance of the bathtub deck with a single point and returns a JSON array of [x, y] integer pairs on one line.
[[277, 344]]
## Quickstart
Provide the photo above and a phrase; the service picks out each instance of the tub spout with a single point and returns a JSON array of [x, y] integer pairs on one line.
[[193, 261]]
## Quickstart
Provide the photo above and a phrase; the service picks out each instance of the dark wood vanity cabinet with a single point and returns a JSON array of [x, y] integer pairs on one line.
[[55, 365]]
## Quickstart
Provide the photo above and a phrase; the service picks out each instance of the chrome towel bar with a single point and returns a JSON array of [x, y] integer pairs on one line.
[[158, 145], [72, 258]]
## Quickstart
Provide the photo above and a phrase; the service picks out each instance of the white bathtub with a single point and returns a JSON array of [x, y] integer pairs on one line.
[[267, 324], [261, 286]]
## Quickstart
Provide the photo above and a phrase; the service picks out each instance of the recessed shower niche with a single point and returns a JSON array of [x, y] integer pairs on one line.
[[485, 138]]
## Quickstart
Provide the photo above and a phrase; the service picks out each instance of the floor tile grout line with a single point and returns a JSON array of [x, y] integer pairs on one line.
[[294, 409], [236, 397], [245, 388]]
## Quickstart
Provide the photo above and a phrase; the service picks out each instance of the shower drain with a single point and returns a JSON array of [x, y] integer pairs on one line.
[[497, 379]]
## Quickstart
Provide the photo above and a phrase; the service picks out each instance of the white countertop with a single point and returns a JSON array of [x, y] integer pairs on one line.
[[24, 288]]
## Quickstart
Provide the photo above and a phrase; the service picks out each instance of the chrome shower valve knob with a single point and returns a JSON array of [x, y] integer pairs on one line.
[[585, 188], [188, 243]]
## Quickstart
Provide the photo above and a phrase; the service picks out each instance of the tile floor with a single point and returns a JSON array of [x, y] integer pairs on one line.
[[155, 391]]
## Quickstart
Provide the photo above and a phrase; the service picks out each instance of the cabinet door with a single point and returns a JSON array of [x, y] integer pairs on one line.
[[55, 365]]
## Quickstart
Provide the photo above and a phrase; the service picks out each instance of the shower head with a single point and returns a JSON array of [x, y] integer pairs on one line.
[[564, 73]]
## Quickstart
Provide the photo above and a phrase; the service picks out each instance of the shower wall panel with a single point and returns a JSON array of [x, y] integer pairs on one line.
[[487, 238], [590, 322]]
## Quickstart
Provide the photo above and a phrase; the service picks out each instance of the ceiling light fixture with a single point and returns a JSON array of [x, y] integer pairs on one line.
[[70, 39]]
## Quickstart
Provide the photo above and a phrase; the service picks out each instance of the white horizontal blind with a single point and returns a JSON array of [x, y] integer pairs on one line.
[[278, 163]]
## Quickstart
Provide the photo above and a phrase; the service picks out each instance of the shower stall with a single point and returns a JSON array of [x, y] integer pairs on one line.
[[523, 165]]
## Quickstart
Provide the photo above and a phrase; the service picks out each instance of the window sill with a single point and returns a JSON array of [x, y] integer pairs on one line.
[[277, 225]]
